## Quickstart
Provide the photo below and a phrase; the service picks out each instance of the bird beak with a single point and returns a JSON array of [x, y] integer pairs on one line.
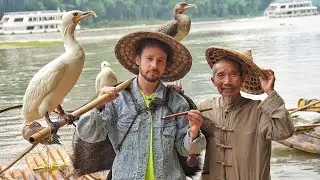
[[190, 6], [83, 15]]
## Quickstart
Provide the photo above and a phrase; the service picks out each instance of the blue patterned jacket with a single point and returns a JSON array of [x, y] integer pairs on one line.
[[169, 136]]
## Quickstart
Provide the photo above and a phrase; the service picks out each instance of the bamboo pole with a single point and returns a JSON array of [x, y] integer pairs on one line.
[[45, 133], [183, 113], [307, 125], [303, 107]]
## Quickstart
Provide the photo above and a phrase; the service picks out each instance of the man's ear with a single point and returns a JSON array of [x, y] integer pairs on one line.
[[213, 82], [138, 60], [243, 77]]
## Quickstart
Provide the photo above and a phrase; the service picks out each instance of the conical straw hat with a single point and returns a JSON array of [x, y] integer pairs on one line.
[[252, 72], [181, 57]]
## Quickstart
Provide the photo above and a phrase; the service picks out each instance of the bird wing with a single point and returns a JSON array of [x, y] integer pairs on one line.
[[169, 28], [43, 82], [98, 80], [114, 77]]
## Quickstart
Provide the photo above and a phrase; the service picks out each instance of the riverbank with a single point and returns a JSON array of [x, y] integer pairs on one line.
[[10, 45], [47, 39]]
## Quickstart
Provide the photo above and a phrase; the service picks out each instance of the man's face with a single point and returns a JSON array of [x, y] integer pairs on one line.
[[152, 63], [228, 79]]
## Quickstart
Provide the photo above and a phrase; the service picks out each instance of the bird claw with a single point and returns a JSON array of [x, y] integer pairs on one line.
[[69, 118], [54, 127]]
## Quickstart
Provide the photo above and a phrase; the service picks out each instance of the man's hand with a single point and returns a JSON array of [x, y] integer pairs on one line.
[[267, 80], [195, 122], [107, 90]]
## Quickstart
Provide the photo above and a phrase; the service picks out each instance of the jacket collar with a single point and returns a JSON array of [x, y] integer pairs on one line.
[[160, 93], [238, 103]]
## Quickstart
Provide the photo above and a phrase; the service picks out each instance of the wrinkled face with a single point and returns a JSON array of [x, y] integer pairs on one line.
[[152, 63], [227, 78]]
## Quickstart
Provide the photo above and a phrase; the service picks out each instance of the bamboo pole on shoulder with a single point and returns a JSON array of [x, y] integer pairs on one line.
[[38, 137], [45, 133]]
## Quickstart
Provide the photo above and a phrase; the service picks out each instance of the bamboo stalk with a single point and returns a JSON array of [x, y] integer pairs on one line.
[[45, 133], [183, 113], [307, 125], [303, 107]]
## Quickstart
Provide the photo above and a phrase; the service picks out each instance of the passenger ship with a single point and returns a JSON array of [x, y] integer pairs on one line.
[[31, 22], [291, 9]]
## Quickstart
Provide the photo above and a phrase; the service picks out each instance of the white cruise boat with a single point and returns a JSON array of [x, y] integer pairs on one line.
[[31, 22], [291, 9]]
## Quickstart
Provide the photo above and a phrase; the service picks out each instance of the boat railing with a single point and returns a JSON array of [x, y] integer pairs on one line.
[[31, 12]]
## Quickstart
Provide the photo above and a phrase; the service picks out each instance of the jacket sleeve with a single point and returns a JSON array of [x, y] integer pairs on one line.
[[183, 140], [93, 126], [275, 122]]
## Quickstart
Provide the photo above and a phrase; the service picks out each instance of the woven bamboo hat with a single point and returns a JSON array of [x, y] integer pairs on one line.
[[252, 72], [181, 57]]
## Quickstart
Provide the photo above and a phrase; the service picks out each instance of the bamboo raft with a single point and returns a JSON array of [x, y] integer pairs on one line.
[[51, 162], [307, 141], [306, 137]]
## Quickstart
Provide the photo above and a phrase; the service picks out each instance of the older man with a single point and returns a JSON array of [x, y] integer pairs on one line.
[[240, 148], [146, 145]]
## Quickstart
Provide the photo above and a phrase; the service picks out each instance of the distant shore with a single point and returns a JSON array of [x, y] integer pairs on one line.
[[10, 45], [54, 38]]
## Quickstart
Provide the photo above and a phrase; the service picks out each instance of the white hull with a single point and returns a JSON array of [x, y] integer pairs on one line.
[[31, 22], [291, 9]]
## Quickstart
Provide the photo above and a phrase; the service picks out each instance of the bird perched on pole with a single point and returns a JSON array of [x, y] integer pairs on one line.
[[106, 77], [54, 81], [180, 26]]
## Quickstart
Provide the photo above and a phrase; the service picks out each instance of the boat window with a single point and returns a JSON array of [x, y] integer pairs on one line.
[[34, 19], [30, 19], [30, 27], [40, 27], [52, 26], [18, 19], [46, 27], [282, 7]]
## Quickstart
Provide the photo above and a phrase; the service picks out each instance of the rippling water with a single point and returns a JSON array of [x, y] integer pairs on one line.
[[288, 46]]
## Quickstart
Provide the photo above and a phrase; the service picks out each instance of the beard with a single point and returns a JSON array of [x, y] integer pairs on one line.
[[149, 78]]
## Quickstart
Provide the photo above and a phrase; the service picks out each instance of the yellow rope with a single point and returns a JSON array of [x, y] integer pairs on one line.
[[50, 168]]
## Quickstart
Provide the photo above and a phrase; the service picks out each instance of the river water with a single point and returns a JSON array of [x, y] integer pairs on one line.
[[288, 46]]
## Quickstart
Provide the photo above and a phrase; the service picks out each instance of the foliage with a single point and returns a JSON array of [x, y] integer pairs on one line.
[[128, 10]]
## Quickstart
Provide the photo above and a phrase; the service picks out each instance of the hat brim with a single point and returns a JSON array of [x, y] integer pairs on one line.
[[252, 72], [181, 57]]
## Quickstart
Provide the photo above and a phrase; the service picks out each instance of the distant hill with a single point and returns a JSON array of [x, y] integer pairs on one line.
[[316, 2]]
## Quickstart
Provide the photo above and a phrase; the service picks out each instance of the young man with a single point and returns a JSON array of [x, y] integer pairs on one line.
[[146, 146], [240, 148]]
